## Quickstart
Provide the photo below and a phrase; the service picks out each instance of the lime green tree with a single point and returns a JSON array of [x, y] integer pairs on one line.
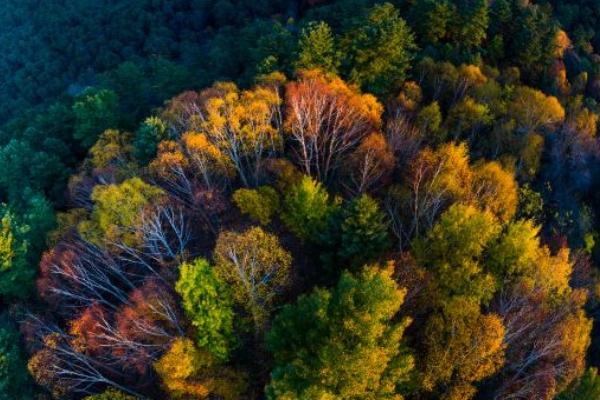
[[454, 252], [306, 207], [208, 306]]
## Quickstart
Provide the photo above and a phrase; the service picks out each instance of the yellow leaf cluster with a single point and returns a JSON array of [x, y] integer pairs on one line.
[[188, 372]]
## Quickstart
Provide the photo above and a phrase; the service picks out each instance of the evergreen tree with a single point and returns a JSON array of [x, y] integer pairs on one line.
[[342, 343]]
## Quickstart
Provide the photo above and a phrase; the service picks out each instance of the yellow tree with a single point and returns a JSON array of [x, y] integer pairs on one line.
[[188, 372], [244, 125], [441, 177], [463, 346], [207, 160], [112, 148], [532, 109], [171, 168], [238, 128], [518, 256], [435, 179], [495, 189]]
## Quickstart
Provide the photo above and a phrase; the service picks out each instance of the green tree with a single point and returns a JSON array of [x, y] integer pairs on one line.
[[95, 111], [455, 23], [147, 137], [531, 204], [518, 254], [532, 45], [364, 231], [22, 240], [37, 213], [317, 48], [432, 20], [379, 50], [342, 343], [466, 118], [15, 382], [429, 120], [306, 207], [260, 204], [586, 388], [454, 252], [355, 235], [471, 22], [208, 306], [24, 168]]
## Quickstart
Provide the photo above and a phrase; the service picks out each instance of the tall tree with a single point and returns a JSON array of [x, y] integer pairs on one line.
[[342, 343], [379, 50], [454, 252], [463, 347], [317, 48]]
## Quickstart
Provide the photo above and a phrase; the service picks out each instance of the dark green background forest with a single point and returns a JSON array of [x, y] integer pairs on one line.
[[299, 199]]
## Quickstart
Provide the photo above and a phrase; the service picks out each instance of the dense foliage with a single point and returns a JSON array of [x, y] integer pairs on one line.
[[343, 199]]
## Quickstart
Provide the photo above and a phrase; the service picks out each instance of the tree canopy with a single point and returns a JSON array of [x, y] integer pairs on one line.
[[341, 199]]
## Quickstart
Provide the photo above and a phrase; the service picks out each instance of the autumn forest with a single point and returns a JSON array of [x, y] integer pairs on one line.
[[299, 200]]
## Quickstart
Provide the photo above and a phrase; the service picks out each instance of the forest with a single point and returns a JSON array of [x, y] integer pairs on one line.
[[299, 200]]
